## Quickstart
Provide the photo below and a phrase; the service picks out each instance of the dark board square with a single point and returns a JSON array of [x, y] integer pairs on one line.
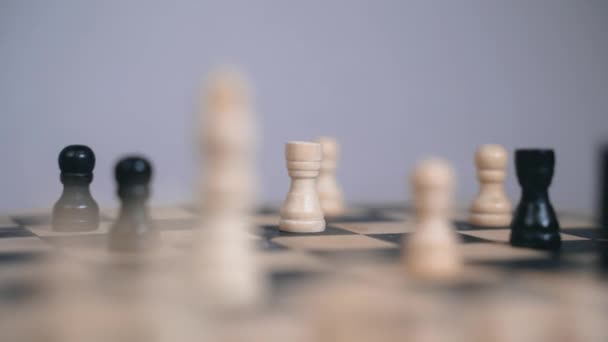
[[33, 220], [267, 210], [268, 245], [383, 254], [283, 280], [370, 215], [272, 231], [20, 257], [15, 232], [399, 237], [18, 291], [473, 239], [579, 247], [588, 233], [44, 219], [461, 287], [550, 263], [396, 238], [463, 225]]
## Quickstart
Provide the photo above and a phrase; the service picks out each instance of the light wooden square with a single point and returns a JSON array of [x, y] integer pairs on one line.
[[568, 237], [496, 251], [47, 230], [289, 260], [24, 244], [183, 239], [179, 239], [500, 235], [170, 213], [100, 254], [377, 227], [331, 242], [156, 213]]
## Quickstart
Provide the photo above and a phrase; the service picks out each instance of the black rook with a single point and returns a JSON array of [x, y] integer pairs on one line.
[[76, 210], [534, 222]]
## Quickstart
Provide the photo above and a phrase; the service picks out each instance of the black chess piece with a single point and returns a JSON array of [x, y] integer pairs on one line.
[[76, 210], [534, 222], [133, 231]]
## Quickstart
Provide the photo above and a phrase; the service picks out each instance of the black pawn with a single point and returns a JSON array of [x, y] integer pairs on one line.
[[133, 230], [76, 210], [534, 222]]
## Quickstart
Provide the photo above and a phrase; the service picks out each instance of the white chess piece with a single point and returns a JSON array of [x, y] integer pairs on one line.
[[225, 267], [330, 194], [432, 250], [301, 212], [491, 207], [228, 143]]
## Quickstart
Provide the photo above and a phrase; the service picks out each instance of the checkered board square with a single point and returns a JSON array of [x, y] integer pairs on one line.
[[366, 237]]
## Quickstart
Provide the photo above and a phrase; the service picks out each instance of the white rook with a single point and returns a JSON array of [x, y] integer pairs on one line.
[[301, 212]]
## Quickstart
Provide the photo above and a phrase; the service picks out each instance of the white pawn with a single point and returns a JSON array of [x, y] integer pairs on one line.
[[491, 207], [330, 194], [301, 212], [432, 250]]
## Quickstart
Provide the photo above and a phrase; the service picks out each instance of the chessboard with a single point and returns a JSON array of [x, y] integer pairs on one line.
[[364, 247]]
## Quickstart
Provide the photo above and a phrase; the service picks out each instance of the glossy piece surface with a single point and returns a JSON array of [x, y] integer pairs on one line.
[[535, 223], [133, 230], [76, 210]]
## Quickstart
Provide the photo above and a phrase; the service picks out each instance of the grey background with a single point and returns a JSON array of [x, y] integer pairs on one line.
[[394, 81]]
